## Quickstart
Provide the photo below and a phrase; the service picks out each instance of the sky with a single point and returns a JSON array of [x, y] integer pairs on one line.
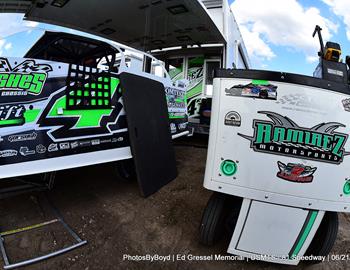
[[277, 33]]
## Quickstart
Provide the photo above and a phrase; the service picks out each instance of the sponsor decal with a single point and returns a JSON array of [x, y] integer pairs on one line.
[[22, 137], [257, 89], [106, 141], [177, 115], [233, 119], [95, 142], [8, 153], [24, 151], [12, 115], [175, 98], [40, 149], [182, 126], [25, 78], [300, 102], [294, 172], [74, 145], [119, 139], [195, 76], [346, 104], [64, 146], [52, 147], [282, 136], [173, 128], [85, 143], [335, 72]]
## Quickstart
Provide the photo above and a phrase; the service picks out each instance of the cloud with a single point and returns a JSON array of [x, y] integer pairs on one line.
[[8, 46], [255, 45], [312, 59], [281, 23], [3, 45], [31, 24], [341, 8], [14, 23]]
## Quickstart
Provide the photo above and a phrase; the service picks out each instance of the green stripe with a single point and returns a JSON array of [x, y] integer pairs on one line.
[[260, 82], [176, 116], [11, 122], [194, 91], [179, 100], [305, 234]]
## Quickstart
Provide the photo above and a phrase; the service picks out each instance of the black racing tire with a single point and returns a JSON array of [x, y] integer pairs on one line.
[[324, 239], [125, 170], [213, 220]]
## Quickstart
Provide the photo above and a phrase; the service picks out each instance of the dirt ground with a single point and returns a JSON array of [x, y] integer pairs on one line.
[[115, 220]]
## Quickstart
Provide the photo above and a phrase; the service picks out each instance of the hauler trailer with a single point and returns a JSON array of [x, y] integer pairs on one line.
[[196, 61], [278, 160]]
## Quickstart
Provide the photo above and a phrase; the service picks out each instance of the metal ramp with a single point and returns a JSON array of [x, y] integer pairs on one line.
[[58, 219]]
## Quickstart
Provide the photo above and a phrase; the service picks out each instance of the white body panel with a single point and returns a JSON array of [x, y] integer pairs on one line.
[[65, 162], [273, 232]]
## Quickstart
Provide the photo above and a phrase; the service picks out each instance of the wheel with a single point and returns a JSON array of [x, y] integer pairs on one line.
[[125, 170], [263, 94], [212, 224], [219, 217], [325, 236]]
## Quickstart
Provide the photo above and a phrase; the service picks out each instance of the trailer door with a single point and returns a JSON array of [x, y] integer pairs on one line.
[[210, 65]]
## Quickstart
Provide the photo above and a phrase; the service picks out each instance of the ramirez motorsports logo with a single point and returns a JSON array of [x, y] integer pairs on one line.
[[282, 136]]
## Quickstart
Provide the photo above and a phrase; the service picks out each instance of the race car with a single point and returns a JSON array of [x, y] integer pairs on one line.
[[254, 90], [73, 101]]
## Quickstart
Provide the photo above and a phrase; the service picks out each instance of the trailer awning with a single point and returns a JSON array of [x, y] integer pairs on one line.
[[142, 24]]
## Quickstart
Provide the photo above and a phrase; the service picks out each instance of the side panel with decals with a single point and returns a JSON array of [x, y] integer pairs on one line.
[[42, 118], [293, 144], [54, 110]]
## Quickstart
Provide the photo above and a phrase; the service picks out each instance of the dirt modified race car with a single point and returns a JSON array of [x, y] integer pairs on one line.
[[256, 89], [73, 101]]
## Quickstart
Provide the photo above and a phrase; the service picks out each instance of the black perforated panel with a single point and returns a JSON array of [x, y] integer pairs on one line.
[[88, 88]]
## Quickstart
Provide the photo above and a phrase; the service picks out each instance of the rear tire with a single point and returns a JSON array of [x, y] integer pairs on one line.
[[325, 237], [212, 224]]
